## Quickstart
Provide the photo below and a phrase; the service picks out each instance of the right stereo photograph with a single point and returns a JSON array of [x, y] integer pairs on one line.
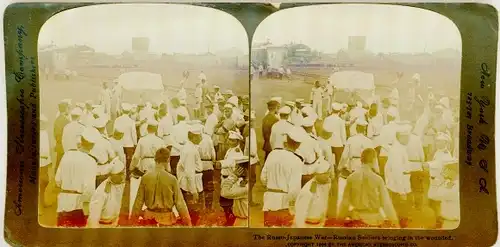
[[356, 118]]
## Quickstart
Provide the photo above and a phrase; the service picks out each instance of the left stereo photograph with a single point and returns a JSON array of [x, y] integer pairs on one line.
[[144, 117]]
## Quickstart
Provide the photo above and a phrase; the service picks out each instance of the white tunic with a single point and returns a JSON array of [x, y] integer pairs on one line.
[[317, 94], [105, 100], [386, 137], [397, 164], [415, 151], [210, 124], [181, 94], [130, 135], [145, 114], [229, 163], [435, 172], [76, 172], [351, 156], [311, 152], [251, 147], [281, 171], [179, 137], [278, 131], [145, 152], [339, 137], [231, 189], [326, 150], [118, 148], [44, 149], [207, 152], [450, 201], [104, 152], [165, 127], [296, 117], [311, 206], [375, 125], [71, 135], [105, 206], [189, 169]]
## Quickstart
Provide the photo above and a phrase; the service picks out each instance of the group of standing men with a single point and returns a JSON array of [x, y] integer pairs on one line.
[[173, 161], [361, 165]]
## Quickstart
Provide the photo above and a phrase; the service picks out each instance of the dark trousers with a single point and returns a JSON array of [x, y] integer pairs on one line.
[[75, 218], [129, 152], [281, 218], [227, 206], [174, 160], [306, 178], [195, 208], [338, 154], [208, 188], [100, 179]]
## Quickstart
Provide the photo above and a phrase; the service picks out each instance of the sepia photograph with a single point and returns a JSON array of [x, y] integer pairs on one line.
[[356, 118], [144, 117]]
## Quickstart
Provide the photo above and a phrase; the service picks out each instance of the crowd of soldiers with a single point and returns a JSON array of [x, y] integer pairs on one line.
[[362, 165], [180, 167]]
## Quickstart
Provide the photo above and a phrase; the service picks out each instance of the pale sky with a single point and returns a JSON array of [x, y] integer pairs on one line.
[[171, 28], [387, 28]]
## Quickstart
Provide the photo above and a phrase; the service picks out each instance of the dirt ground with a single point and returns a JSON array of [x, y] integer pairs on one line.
[[86, 87]]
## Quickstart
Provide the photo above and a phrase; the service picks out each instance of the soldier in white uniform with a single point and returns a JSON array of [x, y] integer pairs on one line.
[[296, 115], [75, 177], [384, 141], [105, 204], [217, 94], [449, 195], [212, 120], [129, 140], [416, 158], [105, 98], [356, 113], [280, 128], [312, 202], [338, 127], [208, 158], [190, 174], [310, 151], [117, 142], [397, 171], [198, 94], [165, 125], [72, 131], [235, 187], [179, 138], [317, 98], [103, 151], [251, 151], [281, 176], [143, 159], [45, 160], [351, 156]]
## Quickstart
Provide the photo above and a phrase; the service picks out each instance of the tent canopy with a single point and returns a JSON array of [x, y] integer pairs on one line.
[[140, 81], [353, 80]]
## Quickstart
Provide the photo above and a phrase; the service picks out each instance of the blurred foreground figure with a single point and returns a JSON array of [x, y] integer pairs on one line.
[[159, 192]]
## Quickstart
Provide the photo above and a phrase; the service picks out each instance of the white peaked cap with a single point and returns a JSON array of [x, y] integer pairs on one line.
[[445, 101], [290, 103], [91, 135], [126, 107], [297, 134], [416, 76], [443, 137], [344, 105], [81, 105], [235, 135], [307, 110], [306, 105], [152, 122], [182, 112], [322, 166], [96, 106], [233, 100], [308, 122], [228, 106], [252, 115], [100, 122], [359, 104], [392, 111], [76, 111], [336, 106], [215, 86], [285, 110], [229, 91], [66, 101], [277, 99], [196, 129], [299, 100], [43, 118], [118, 167], [361, 122]]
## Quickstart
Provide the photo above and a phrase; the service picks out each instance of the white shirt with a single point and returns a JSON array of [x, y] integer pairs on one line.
[[296, 117], [229, 162], [352, 151], [339, 137], [450, 201], [435, 172], [251, 147], [146, 113], [130, 135], [145, 152], [231, 189], [71, 135], [374, 125], [202, 76], [104, 152], [326, 150], [189, 169], [386, 138], [278, 131], [181, 94], [317, 94], [179, 137], [165, 127], [415, 151], [310, 205], [118, 148], [281, 171], [198, 94], [207, 152], [44, 149], [76, 172], [105, 206], [397, 164], [311, 152], [212, 120]]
